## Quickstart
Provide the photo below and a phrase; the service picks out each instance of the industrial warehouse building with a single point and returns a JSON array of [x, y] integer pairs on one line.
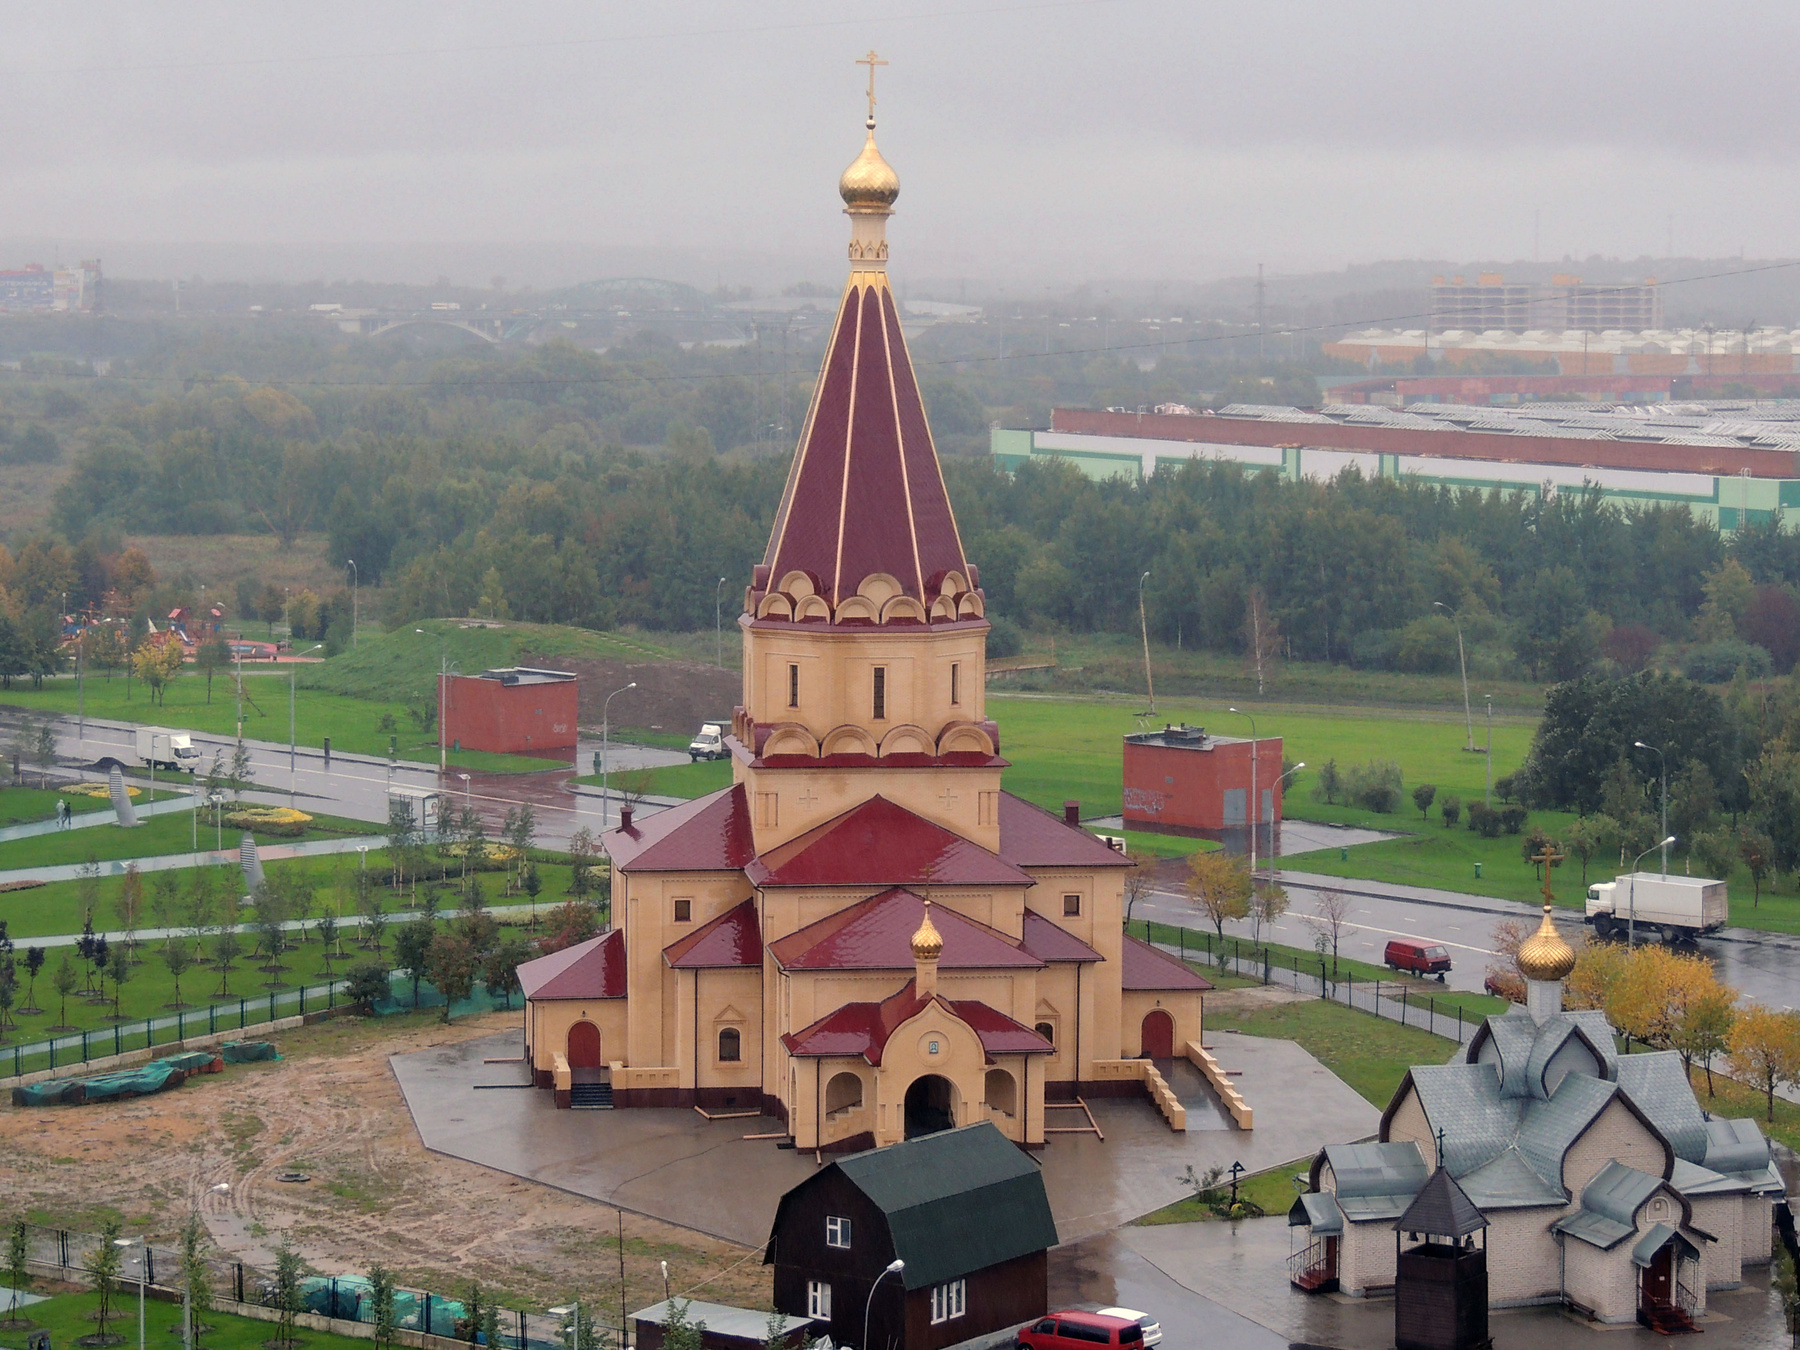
[[1728, 464]]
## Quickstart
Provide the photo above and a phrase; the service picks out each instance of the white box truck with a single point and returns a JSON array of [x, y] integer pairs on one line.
[[1677, 907], [160, 748], [709, 742]]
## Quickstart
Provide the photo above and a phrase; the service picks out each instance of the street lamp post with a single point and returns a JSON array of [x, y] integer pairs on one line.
[[1275, 867], [292, 753], [443, 681], [143, 1262], [605, 746], [1463, 661], [564, 1311], [893, 1267], [1144, 628], [1631, 889], [1487, 795], [1255, 796], [1664, 762], [355, 597], [719, 623]]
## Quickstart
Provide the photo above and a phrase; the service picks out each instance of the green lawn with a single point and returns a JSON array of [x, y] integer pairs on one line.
[[153, 837], [29, 805], [672, 780], [1273, 1190], [1068, 748], [1284, 962], [1371, 1054], [68, 1316]]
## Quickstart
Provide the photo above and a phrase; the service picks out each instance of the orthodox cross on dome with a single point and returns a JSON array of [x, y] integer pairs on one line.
[[871, 61], [1440, 1147], [1547, 859]]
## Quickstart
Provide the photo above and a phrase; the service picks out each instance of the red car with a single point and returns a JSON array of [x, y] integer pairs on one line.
[[1417, 958], [1071, 1330]]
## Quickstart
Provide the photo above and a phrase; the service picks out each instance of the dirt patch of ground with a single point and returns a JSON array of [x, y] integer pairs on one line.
[[671, 695], [1252, 997], [332, 1110]]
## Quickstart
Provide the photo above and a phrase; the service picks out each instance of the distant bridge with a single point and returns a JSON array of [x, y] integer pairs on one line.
[[375, 325]]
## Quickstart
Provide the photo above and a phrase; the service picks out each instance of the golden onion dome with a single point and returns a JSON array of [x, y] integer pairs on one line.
[[927, 943], [1545, 955], [870, 183]]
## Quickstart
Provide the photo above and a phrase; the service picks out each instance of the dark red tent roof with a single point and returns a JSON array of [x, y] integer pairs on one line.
[[863, 1028], [591, 969], [1032, 837], [1142, 966], [881, 843], [877, 935], [866, 494], [708, 834], [732, 939]]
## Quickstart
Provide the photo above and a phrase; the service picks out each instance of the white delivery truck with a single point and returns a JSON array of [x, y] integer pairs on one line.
[[160, 748], [1677, 907], [709, 743]]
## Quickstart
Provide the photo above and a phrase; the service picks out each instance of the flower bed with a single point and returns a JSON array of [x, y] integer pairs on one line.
[[280, 820], [100, 790]]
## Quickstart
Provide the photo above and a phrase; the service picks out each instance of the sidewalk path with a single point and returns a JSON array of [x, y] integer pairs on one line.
[[171, 862], [87, 819]]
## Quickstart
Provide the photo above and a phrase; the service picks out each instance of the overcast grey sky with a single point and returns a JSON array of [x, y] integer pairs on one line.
[[1035, 142]]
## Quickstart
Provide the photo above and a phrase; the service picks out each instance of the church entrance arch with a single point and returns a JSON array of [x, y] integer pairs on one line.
[[1158, 1035], [584, 1047], [930, 1105]]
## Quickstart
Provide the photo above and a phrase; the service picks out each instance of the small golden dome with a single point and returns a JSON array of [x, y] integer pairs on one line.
[[1544, 955], [870, 183], [927, 943]]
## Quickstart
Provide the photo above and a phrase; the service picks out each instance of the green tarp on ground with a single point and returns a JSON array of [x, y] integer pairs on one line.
[[352, 1303], [157, 1076], [247, 1052]]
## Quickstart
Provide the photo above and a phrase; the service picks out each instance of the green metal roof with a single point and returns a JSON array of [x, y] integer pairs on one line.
[[956, 1202], [1656, 1239]]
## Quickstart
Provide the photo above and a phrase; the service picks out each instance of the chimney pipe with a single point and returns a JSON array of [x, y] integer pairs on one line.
[[1071, 813], [624, 817]]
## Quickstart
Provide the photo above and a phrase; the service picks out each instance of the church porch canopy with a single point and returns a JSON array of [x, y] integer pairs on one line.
[[863, 1029]]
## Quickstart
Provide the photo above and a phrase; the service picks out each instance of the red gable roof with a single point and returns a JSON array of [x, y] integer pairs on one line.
[[881, 843], [877, 935], [708, 834], [1142, 966], [1032, 837], [865, 493], [863, 1028], [1048, 942], [732, 939], [591, 969]]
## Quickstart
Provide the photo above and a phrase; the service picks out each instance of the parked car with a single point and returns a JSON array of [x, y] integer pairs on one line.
[[1507, 986], [1071, 1330], [1151, 1327], [1417, 958]]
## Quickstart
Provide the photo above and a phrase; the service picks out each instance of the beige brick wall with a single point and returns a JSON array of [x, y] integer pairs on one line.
[[1759, 1223], [1606, 1282], [1522, 1257], [1366, 1259], [1723, 1217]]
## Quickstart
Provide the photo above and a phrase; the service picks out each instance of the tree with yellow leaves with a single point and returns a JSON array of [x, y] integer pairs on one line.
[[1218, 885], [1598, 967], [1764, 1050], [156, 662], [1651, 997], [1705, 1028]]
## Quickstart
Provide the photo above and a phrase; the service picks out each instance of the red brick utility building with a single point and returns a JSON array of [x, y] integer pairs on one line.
[[517, 711], [1180, 780]]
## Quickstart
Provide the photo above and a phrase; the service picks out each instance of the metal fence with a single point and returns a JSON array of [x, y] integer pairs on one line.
[[80, 1047], [337, 1296], [1397, 1001]]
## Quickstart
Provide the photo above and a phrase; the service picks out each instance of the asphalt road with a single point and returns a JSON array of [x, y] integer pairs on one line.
[[1764, 966]]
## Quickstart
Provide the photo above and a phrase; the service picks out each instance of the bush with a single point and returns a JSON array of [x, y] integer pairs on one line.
[[1512, 818], [1005, 638], [1375, 786], [1330, 786], [1535, 843], [1484, 820], [1426, 646], [1507, 786], [1451, 809], [270, 820], [1717, 662], [1422, 797]]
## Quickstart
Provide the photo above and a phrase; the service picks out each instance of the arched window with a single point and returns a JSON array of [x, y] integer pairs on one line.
[[1047, 1031], [730, 1045]]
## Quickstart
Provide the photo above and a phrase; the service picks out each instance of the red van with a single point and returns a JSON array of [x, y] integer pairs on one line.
[[1072, 1330], [1417, 958]]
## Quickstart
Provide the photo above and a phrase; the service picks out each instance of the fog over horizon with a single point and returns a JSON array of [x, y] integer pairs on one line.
[[1039, 145]]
